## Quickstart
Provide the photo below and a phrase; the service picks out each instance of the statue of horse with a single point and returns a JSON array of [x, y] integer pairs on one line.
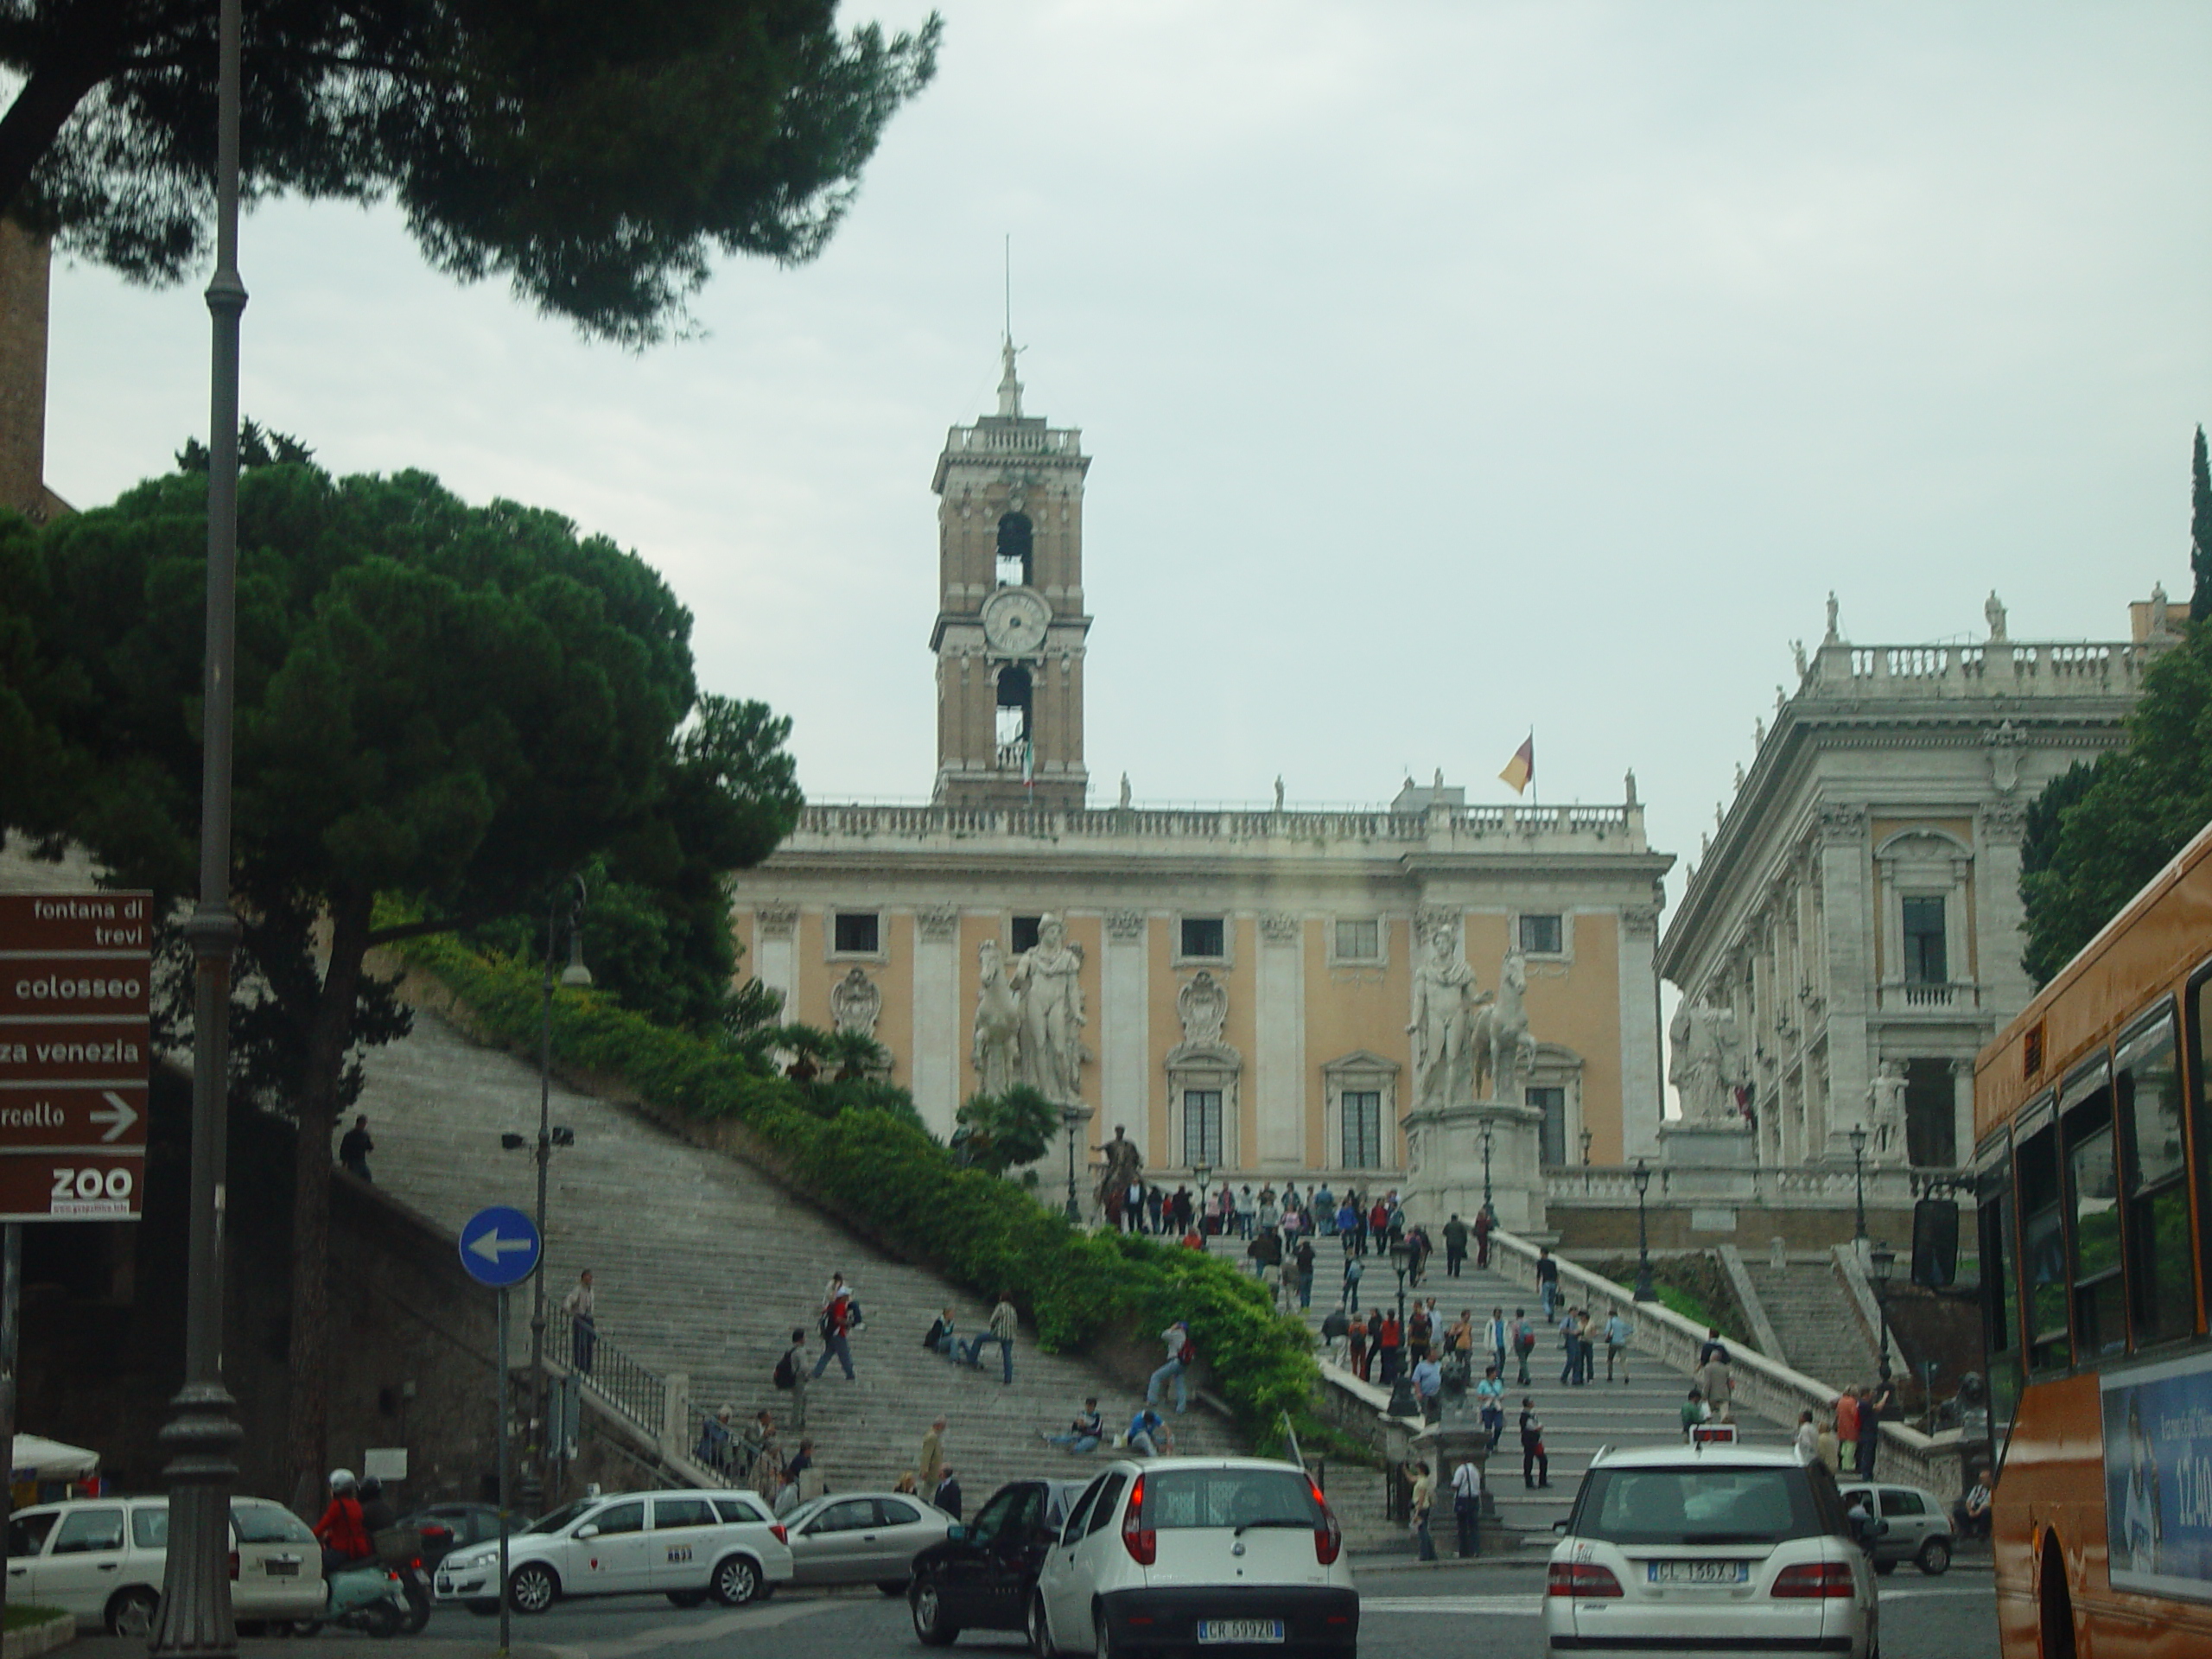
[[1502, 1045], [998, 1025]]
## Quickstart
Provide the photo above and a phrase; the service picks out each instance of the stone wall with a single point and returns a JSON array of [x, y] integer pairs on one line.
[[1591, 1229], [103, 1336]]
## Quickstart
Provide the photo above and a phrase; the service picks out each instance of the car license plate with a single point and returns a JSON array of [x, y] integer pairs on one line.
[[1695, 1572], [282, 1569], [1240, 1630]]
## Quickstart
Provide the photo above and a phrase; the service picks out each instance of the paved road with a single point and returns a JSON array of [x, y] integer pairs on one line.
[[1445, 1612]]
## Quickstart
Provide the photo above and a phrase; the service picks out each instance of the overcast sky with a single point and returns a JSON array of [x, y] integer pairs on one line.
[[1449, 369]]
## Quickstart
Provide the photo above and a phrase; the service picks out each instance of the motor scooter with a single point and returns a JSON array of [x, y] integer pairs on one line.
[[368, 1597]]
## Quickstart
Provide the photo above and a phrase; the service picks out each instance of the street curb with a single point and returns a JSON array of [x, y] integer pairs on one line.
[[44, 1637]]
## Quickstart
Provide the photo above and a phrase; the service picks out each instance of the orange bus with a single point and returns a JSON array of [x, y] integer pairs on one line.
[[2092, 1177]]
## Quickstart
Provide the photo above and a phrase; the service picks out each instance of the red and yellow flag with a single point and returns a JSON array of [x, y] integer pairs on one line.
[[1520, 770]]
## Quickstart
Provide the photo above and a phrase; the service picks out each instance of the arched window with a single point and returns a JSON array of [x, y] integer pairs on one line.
[[1012, 733], [1016, 544]]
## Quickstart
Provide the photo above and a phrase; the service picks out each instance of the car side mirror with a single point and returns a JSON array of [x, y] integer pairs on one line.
[[1560, 1527], [956, 1531], [586, 1531]]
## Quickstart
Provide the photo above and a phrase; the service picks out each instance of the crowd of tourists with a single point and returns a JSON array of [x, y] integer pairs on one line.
[[1847, 1435]]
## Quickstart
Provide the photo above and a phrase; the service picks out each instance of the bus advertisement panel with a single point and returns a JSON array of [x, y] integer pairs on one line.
[[2157, 1446]]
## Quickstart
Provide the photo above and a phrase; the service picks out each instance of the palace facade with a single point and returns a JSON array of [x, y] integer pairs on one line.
[[1242, 979], [1850, 936]]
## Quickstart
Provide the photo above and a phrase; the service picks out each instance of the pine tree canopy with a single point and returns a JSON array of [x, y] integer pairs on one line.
[[596, 155]]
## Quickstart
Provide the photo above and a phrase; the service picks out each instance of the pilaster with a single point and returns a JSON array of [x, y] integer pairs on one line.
[[1280, 1026], [936, 1062], [775, 952], [1846, 899], [1642, 1102], [1125, 1039]]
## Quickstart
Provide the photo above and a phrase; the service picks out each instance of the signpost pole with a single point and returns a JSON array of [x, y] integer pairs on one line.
[[11, 1297], [500, 1428]]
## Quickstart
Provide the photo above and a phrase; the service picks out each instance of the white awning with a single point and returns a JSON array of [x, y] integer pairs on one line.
[[39, 1458]]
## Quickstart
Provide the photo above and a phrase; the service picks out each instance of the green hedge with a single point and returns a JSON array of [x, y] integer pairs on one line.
[[977, 1229]]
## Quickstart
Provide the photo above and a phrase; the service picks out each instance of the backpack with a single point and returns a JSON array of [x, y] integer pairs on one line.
[[1188, 1353], [785, 1375]]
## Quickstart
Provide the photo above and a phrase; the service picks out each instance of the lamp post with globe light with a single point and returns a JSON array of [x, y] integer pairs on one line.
[[1858, 1138], [1881, 1261], [1487, 1210], [1643, 1292]]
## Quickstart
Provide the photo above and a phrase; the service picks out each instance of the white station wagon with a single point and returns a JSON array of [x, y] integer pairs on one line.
[[687, 1546], [102, 1559]]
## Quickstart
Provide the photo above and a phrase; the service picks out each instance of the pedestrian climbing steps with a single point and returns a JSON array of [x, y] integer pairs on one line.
[[1577, 1420], [703, 1266]]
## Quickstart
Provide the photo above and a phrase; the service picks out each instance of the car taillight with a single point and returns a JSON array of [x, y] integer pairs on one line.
[[1581, 1579], [780, 1532], [416, 1563], [1140, 1541], [1813, 1579], [234, 1564], [1328, 1537]]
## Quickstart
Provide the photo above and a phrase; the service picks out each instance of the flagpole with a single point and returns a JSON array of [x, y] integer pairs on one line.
[[1536, 796]]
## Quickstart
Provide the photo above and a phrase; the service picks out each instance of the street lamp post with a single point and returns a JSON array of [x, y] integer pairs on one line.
[[566, 903], [1069, 1119], [1586, 1138], [1403, 1403], [1486, 1204], [1201, 1173], [194, 1615], [1645, 1292], [1879, 1262], [1858, 1138]]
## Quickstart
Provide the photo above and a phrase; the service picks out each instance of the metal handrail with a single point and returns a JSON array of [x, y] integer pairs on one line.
[[631, 1389]]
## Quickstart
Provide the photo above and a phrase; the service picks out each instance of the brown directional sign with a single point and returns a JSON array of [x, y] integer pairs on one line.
[[74, 1049]]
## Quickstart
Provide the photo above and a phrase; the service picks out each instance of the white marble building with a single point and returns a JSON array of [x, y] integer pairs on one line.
[[1849, 937]]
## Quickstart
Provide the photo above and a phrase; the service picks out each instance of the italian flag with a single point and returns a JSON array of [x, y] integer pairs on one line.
[[1520, 770]]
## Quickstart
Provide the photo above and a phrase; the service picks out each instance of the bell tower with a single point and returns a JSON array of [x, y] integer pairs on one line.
[[1010, 619]]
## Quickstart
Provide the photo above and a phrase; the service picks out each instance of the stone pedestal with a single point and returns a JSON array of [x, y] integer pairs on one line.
[[1726, 1145], [1444, 1163]]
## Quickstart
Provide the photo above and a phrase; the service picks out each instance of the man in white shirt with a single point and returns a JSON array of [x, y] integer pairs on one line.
[[1467, 1506]]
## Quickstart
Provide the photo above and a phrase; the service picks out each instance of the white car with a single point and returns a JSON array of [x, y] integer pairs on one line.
[[102, 1559], [1173, 1553], [684, 1545], [1709, 1548], [863, 1538]]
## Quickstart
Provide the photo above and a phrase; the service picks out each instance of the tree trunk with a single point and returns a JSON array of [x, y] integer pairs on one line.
[[42, 109], [329, 1038]]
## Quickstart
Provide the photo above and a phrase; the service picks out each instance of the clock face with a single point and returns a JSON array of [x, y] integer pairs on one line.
[[1014, 621]]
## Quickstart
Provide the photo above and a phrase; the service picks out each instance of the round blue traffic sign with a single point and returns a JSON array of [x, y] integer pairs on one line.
[[500, 1246]]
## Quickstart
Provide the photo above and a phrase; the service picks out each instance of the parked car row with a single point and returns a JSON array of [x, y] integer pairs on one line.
[[102, 1559]]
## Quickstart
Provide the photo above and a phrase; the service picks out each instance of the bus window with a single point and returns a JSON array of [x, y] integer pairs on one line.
[[2001, 1310], [2161, 1268], [2200, 1107], [2042, 1251], [2092, 1195]]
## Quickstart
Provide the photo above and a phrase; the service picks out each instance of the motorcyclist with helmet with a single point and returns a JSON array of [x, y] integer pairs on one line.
[[342, 1532]]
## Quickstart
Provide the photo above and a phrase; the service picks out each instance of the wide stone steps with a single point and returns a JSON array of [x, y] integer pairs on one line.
[[1578, 1421], [703, 1266], [1812, 1314]]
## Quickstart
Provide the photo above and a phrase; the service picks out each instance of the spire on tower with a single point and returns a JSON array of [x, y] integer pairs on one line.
[[1009, 387]]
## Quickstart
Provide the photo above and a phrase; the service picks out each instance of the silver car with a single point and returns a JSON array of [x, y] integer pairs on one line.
[[1918, 1526], [863, 1538]]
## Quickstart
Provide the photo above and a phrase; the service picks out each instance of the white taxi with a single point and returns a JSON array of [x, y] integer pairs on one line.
[[687, 1546], [1216, 1553], [1709, 1549], [102, 1559]]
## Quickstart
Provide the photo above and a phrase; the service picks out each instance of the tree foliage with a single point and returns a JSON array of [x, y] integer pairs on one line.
[[2199, 532], [2100, 832], [998, 1132], [454, 705], [597, 156]]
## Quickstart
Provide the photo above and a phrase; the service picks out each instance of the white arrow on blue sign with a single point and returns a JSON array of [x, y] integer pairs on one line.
[[499, 1246]]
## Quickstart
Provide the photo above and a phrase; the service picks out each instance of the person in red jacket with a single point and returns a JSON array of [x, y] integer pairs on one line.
[[344, 1537]]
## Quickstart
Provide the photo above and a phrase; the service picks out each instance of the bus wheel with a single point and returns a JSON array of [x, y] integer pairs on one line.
[[2055, 1604]]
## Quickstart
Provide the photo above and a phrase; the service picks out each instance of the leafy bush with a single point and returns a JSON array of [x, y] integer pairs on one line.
[[884, 1170]]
